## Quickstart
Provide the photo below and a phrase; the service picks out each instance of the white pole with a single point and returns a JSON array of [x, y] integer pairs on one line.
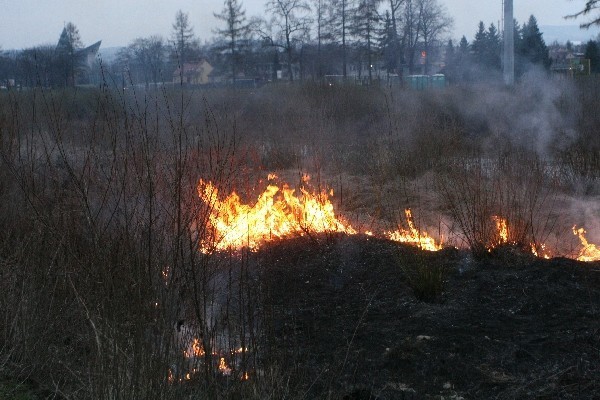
[[509, 43]]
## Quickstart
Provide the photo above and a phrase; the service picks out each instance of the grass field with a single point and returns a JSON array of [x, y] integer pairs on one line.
[[104, 292]]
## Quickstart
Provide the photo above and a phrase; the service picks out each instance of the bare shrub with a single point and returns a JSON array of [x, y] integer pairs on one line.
[[516, 188]]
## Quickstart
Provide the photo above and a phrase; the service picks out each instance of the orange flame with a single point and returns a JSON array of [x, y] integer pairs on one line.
[[195, 350], [502, 228], [503, 232], [590, 251], [413, 236], [223, 368], [278, 213], [540, 251]]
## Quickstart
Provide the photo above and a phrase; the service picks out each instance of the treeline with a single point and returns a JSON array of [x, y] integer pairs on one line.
[[303, 40], [47, 65], [482, 58], [298, 40]]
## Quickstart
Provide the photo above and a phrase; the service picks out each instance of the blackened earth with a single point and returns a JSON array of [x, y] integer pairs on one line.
[[343, 322]]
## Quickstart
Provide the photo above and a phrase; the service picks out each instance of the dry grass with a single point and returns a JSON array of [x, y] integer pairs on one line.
[[100, 219]]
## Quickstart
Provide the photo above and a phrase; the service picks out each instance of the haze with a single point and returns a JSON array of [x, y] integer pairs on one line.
[[28, 23]]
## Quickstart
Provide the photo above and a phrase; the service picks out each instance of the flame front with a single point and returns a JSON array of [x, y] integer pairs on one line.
[[502, 229], [413, 236], [278, 213], [590, 251]]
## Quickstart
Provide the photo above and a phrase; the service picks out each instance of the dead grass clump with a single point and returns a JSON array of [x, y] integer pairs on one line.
[[427, 279]]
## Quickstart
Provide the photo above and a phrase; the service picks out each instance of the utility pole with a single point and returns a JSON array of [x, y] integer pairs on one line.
[[509, 43]]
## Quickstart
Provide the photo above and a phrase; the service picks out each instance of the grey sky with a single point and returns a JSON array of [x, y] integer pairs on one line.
[[26, 23]]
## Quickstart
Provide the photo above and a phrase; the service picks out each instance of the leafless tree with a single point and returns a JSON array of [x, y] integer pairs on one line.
[[340, 22], [235, 31], [395, 10], [183, 38], [411, 32], [145, 59], [320, 10], [434, 22], [289, 25]]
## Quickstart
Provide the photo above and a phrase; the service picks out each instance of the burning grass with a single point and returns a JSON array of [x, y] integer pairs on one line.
[[588, 251], [279, 214]]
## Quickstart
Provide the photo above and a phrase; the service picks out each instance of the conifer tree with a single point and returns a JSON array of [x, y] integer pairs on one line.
[[533, 49], [236, 31], [66, 52], [592, 53]]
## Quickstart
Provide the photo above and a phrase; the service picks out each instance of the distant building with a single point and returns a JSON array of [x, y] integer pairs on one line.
[[77, 63], [87, 56], [193, 73], [569, 62]]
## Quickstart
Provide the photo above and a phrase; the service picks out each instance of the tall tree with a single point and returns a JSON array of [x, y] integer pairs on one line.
[[320, 8], [533, 49], [493, 51], [366, 24], [66, 51], [411, 34], [340, 22], [387, 43], [6, 69], [592, 53], [183, 38], [38, 66], [289, 25], [458, 61], [236, 31], [394, 37], [463, 45], [487, 46], [434, 23], [479, 44], [145, 59]]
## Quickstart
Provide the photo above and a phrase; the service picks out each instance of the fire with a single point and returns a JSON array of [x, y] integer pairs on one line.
[[278, 213], [413, 235], [502, 228], [503, 234], [540, 251], [195, 350], [223, 368], [590, 251], [165, 274]]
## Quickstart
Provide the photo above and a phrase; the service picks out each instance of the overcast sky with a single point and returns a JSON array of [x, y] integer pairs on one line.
[[27, 23]]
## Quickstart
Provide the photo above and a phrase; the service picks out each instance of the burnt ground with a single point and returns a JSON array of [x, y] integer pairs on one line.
[[345, 323]]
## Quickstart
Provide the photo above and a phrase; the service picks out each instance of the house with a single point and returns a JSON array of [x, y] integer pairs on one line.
[[193, 73]]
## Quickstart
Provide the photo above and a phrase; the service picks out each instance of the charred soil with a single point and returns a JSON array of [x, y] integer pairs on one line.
[[343, 319]]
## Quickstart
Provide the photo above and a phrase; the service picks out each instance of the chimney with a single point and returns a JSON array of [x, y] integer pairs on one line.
[[509, 43]]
